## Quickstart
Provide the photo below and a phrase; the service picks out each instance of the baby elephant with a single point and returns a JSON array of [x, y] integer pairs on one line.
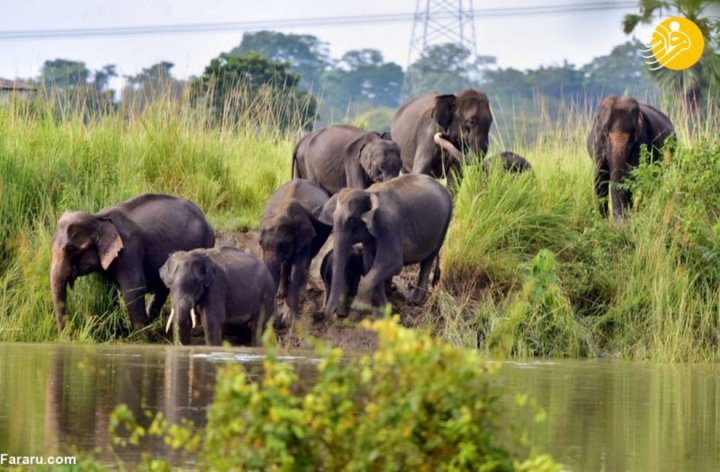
[[511, 162], [227, 287], [354, 271]]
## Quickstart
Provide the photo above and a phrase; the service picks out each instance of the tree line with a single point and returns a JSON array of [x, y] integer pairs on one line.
[[296, 77]]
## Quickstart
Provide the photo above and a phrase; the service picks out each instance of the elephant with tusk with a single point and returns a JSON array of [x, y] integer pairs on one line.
[[228, 288], [438, 133]]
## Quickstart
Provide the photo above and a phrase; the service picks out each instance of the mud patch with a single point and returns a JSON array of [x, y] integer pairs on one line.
[[338, 332]]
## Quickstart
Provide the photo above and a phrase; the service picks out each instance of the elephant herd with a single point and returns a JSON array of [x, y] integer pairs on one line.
[[375, 193]]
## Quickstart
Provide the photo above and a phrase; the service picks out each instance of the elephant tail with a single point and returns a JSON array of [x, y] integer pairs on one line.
[[293, 169]]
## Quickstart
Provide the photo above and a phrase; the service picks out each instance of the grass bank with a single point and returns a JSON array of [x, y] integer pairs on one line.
[[52, 160], [529, 267]]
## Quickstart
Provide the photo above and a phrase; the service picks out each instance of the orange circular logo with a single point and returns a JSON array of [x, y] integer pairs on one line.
[[676, 43]]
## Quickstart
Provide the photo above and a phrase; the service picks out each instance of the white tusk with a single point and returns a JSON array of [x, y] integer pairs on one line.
[[172, 313], [192, 317]]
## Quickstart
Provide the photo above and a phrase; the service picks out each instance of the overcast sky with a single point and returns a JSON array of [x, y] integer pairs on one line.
[[521, 42]]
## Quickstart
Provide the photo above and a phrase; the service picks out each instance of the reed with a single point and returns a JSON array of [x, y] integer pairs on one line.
[[529, 267]]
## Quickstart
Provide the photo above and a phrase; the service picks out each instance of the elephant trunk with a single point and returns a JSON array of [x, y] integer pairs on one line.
[[619, 147], [338, 286], [477, 142], [60, 276], [448, 147], [273, 264], [183, 313]]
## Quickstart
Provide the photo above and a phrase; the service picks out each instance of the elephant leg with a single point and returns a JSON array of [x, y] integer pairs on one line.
[[157, 302], [212, 327], [259, 322], [284, 279], [376, 278], [296, 286], [423, 162], [602, 178], [417, 296], [133, 289], [255, 336], [621, 199], [379, 297]]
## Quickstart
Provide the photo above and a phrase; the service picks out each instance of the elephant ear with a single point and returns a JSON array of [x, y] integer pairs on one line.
[[109, 243], [208, 271], [639, 125], [369, 165], [324, 213], [167, 271], [444, 111], [370, 217], [602, 121], [305, 233], [354, 155]]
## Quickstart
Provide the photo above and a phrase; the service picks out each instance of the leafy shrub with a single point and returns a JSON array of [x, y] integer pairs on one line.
[[415, 404], [541, 321]]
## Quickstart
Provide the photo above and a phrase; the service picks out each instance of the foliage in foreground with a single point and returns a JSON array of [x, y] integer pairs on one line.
[[417, 403]]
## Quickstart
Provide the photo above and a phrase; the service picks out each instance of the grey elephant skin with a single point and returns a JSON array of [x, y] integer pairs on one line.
[[511, 162], [399, 222], [227, 288], [290, 237], [621, 127], [342, 156], [127, 243], [354, 270], [437, 133]]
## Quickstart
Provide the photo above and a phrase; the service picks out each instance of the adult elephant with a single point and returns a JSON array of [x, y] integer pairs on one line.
[[290, 237], [437, 133], [399, 222], [342, 156], [621, 128], [127, 243]]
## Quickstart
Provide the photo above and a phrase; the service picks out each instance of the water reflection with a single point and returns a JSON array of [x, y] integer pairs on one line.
[[615, 415], [602, 415], [56, 399]]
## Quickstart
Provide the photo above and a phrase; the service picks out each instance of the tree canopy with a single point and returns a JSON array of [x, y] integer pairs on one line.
[[239, 86], [305, 53]]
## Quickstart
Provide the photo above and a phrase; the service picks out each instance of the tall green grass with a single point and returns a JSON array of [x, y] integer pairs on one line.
[[53, 160], [529, 267]]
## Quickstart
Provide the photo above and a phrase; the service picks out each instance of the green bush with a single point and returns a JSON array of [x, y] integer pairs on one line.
[[541, 320], [415, 404]]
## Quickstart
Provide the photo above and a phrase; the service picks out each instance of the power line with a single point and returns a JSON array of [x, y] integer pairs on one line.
[[350, 20]]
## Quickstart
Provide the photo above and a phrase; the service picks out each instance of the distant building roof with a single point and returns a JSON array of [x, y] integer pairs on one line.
[[16, 85]]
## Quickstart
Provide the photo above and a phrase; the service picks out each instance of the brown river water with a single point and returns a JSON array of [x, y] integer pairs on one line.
[[601, 414]]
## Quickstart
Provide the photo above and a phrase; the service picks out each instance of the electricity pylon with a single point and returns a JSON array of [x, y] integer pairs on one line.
[[438, 22]]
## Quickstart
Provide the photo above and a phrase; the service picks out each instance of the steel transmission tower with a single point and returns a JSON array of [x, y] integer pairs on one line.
[[437, 22]]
